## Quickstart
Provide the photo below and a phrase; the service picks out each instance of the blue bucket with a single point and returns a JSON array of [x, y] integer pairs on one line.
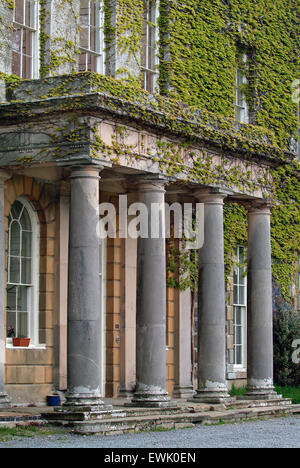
[[53, 400]]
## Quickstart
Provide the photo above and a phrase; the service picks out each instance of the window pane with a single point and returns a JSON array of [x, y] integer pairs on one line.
[[242, 295], [238, 355], [19, 11], [15, 239], [29, 14], [16, 210], [11, 301], [14, 271], [26, 271], [25, 220], [26, 244], [22, 299], [82, 62], [11, 325], [16, 41], [22, 324]]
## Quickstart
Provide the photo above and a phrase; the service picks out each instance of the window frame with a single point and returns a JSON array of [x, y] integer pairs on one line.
[[99, 38], [35, 39], [242, 305], [151, 6], [33, 307], [240, 104]]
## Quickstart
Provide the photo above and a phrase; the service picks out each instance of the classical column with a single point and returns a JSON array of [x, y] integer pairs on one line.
[[183, 341], [4, 400], [259, 306], [212, 387], [84, 347], [151, 300]]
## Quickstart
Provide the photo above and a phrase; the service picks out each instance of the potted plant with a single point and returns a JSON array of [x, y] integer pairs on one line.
[[21, 341]]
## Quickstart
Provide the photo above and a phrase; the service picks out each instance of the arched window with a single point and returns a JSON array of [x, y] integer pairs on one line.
[[22, 272]]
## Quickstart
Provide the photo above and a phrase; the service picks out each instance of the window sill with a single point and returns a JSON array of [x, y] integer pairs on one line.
[[40, 346]]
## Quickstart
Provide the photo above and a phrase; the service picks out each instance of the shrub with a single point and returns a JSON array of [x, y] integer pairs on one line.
[[286, 330]]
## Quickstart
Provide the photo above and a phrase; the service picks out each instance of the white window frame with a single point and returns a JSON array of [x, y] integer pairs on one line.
[[241, 106], [35, 39], [242, 367], [33, 313], [147, 67], [99, 52]]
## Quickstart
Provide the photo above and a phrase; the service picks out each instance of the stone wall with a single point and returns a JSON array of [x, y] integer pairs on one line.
[[29, 371], [6, 18]]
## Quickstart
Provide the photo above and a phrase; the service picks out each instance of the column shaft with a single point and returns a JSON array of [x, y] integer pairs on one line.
[[84, 345], [151, 305], [212, 387], [259, 306]]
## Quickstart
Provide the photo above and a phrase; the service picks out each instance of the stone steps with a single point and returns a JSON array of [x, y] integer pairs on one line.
[[137, 419], [184, 420]]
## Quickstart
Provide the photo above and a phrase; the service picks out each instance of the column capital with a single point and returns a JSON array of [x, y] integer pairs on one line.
[[212, 195], [259, 207], [88, 171], [148, 183]]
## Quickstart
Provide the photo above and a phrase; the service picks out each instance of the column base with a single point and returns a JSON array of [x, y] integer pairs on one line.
[[126, 394], [183, 392], [150, 399], [253, 393], [88, 401], [5, 401], [217, 395]]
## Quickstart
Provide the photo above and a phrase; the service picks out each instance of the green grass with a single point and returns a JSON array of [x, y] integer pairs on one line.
[[32, 430], [237, 391], [289, 392]]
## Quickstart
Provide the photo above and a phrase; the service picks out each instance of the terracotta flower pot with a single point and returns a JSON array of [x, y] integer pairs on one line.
[[21, 342]]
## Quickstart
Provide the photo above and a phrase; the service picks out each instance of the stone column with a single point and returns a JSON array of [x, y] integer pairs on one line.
[[212, 387], [4, 399], [83, 349], [259, 306], [183, 341], [151, 303]]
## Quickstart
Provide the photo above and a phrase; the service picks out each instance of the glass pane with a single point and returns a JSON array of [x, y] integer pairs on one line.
[[84, 37], [16, 64], [10, 324], [92, 62], [22, 324], [238, 355], [16, 40], [19, 11], [14, 271], [27, 67], [235, 295], [238, 335], [16, 210], [237, 315], [93, 10], [82, 62], [25, 220], [93, 36], [22, 299], [11, 298], [15, 239], [242, 295], [26, 271], [26, 244], [29, 14]]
